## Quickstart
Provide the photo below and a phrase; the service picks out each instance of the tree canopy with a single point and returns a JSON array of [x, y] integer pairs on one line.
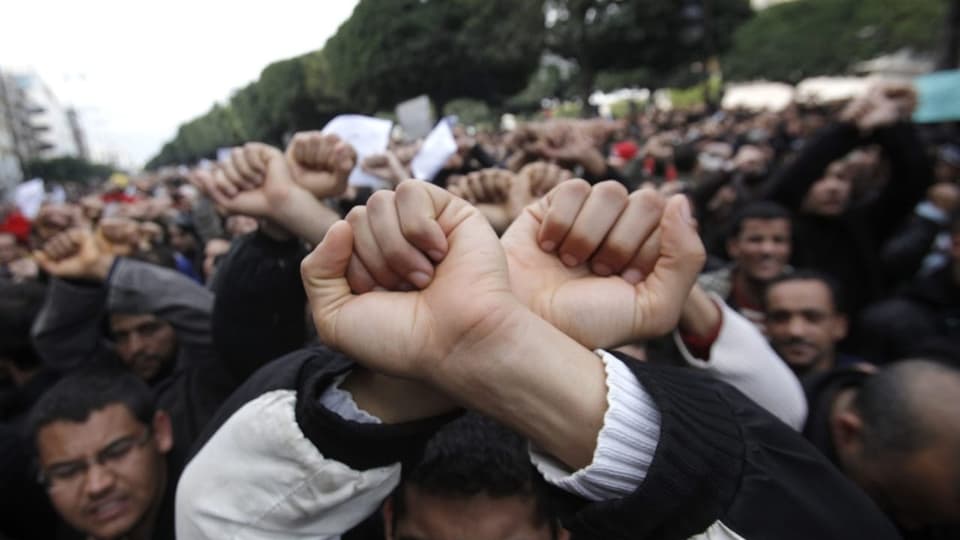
[[792, 41]]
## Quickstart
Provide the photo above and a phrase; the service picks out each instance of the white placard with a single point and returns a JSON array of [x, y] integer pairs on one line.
[[368, 136], [28, 197], [436, 150]]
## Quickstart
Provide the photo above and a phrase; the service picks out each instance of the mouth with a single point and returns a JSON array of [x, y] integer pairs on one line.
[[109, 509]]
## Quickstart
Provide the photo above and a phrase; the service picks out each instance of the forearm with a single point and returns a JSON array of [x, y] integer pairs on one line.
[[305, 217], [535, 379], [393, 400], [67, 332], [700, 316]]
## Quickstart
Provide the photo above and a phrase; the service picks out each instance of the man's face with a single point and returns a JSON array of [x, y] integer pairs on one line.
[[9, 251], [480, 517], [144, 343], [215, 248], [830, 195], [106, 474], [762, 248], [803, 325]]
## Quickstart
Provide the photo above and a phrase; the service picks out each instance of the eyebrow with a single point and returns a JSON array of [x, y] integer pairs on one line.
[[83, 460]]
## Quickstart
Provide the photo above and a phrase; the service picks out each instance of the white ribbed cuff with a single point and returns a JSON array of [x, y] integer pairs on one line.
[[625, 446], [341, 403]]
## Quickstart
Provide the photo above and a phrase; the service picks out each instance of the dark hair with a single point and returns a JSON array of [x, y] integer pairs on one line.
[[19, 305], [78, 395], [475, 455], [889, 404], [764, 210], [833, 286]]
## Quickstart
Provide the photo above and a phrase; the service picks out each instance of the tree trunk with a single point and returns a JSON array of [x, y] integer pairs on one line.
[[587, 77], [950, 56]]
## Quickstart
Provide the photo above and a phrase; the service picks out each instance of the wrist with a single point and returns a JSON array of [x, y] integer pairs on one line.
[[100, 270], [593, 164], [535, 379]]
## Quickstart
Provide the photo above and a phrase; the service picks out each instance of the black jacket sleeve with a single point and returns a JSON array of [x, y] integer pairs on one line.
[[721, 458], [910, 176], [791, 184], [259, 311]]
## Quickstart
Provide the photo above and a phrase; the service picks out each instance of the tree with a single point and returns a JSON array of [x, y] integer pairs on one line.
[[68, 169], [659, 36], [388, 52], [792, 41]]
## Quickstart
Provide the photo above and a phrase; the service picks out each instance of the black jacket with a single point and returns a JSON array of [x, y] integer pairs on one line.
[[719, 458], [848, 246]]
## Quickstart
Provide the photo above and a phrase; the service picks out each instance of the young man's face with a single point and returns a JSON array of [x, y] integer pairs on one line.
[[479, 517], [107, 474], [803, 324], [145, 343], [830, 195], [762, 248]]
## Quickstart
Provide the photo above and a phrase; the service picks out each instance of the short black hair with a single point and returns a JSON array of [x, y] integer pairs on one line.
[[765, 210], [889, 405], [833, 286], [475, 455], [77, 396], [20, 303]]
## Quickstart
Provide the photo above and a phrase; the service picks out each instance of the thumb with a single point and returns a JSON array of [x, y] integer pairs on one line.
[[324, 275], [681, 258]]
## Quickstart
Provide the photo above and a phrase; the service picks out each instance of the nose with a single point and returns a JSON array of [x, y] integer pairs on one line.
[[99, 480], [797, 327]]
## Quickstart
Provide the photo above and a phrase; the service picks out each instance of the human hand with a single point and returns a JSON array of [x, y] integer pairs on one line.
[[605, 267], [423, 239], [255, 181], [24, 269], [386, 166], [119, 236], [75, 254], [321, 163]]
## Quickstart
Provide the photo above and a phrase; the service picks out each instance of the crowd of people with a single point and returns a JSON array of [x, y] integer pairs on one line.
[[684, 324]]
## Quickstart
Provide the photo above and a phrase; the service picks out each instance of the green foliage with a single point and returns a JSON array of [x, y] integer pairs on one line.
[[68, 169], [659, 36], [796, 40], [470, 111], [391, 51]]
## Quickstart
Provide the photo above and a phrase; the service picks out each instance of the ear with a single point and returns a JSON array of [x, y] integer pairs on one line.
[[162, 431], [387, 513], [563, 534], [840, 327], [847, 430]]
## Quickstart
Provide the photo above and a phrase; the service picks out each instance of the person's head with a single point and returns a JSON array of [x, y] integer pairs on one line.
[[101, 447], [183, 236], [899, 440], [144, 342], [9, 249], [19, 305], [215, 249], [805, 320], [760, 240], [474, 480], [830, 195]]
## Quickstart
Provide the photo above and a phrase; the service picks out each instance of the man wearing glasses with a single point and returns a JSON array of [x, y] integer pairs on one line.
[[102, 454]]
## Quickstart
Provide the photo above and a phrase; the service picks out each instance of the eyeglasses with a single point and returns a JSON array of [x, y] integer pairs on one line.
[[70, 475]]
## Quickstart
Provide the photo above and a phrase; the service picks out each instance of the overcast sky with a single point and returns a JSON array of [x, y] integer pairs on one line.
[[135, 70]]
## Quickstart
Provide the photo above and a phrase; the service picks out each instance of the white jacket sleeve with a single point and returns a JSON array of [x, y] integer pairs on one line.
[[259, 477], [742, 358]]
